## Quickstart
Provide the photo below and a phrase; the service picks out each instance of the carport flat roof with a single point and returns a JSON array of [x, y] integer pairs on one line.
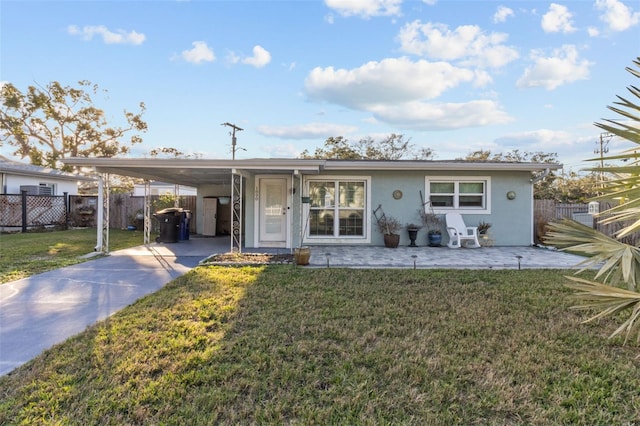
[[195, 172]]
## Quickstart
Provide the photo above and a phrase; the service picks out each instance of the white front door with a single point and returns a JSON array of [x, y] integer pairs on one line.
[[273, 212]]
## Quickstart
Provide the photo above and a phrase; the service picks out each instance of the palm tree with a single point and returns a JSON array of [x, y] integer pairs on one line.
[[618, 262]]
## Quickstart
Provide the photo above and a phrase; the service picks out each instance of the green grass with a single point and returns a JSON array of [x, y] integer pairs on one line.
[[287, 345], [22, 255]]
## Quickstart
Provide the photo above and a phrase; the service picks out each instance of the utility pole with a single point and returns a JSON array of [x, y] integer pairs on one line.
[[233, 138], [602, 147]]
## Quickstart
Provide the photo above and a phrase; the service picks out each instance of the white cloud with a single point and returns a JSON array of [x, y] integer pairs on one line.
[[388, 81], [502, 14], [281, 150], [617, 15], [232, 58], [562, 67], [306, 131], [430, 2], [593, 32], [108, 37], [365, 8], [442, 116], [200, 53], [572, 146], [467, 43], [545, 139], [260, 58], [396, 91], [557, 20]]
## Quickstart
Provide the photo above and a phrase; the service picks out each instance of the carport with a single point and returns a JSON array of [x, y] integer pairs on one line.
[[231, 174]]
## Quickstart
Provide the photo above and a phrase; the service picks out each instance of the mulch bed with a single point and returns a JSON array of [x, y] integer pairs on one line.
[[244, 259]]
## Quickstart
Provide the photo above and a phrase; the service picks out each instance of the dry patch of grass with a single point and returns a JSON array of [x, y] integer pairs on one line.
[[278, 344]]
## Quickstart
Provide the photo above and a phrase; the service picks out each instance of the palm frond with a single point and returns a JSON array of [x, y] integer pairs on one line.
[[609, 300], [614, 259]]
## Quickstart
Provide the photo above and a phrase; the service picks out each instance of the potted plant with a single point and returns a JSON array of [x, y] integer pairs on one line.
[[413, 229], [483, 227], [483, 232], [433, 223], [389, 227]]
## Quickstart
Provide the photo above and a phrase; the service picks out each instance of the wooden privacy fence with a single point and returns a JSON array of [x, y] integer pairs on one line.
[[546, 211], [123, 210]]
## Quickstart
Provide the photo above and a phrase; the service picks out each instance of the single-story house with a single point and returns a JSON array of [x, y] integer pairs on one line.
[[290, 202], [16, 177]]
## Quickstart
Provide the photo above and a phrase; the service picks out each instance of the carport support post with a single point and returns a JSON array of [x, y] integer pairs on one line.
[[103, 214], [147, 212], [100, 242], [236, 212]]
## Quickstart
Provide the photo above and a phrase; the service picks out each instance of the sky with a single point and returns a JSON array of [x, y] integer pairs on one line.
[[454, 76]]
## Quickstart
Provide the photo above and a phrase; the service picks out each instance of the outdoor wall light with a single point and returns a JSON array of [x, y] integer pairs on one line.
[[511, 195], [224, 200]]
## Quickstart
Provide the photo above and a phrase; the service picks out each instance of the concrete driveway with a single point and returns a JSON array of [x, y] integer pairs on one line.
[[45, 309]]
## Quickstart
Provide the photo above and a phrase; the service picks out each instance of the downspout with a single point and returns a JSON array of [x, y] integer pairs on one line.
[[99, 244], [535, 179]]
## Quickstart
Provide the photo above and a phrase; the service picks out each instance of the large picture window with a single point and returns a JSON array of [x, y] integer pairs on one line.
[[459, 193], [337, 208]]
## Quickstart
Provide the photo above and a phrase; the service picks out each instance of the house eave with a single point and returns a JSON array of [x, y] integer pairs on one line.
[[484, 166]]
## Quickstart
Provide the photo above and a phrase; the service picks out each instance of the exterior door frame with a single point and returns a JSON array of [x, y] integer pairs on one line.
[[286, 243]]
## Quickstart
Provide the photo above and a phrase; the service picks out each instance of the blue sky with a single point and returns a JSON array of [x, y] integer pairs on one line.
[[454, 76]]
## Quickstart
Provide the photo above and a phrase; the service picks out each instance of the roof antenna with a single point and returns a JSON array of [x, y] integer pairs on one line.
[[233, 138]]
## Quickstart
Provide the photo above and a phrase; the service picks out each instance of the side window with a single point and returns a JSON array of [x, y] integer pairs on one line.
[[459, 193]]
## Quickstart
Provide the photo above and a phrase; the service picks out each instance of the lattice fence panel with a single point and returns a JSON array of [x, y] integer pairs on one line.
[[46, 210], [10, 210], [42, 210]]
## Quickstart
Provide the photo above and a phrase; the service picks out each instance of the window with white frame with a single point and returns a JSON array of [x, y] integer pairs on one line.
[[470, 194], [337, 208]]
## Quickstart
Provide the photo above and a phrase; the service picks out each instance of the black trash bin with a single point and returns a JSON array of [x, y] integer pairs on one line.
[[169, 221], [185, 221]]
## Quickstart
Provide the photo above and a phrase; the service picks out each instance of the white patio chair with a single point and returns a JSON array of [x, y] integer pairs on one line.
[[461, 235]]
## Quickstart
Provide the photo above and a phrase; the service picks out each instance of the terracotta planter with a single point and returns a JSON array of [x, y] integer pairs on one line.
[[391, 240], [302, 255]]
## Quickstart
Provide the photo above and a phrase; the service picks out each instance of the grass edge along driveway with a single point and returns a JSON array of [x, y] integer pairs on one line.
[[279, 344], [23, 255]]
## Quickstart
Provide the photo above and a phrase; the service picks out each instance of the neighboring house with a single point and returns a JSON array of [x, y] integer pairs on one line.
[[16, 177], [162, 188], [289, 202]]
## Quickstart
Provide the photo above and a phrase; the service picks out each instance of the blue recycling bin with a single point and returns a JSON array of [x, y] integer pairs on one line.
[[185, 221]]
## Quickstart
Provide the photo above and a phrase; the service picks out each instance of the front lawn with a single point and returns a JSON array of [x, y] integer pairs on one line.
[[287, 345], [22, 255]]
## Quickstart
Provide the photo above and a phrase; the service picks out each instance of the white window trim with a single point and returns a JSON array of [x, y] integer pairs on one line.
[[465, 210], [350, 239]]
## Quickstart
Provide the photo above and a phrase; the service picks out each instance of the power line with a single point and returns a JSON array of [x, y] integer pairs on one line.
[[233, 138]]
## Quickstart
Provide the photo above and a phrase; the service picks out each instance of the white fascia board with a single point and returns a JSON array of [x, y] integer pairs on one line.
[[250, 164], [437, 166]]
